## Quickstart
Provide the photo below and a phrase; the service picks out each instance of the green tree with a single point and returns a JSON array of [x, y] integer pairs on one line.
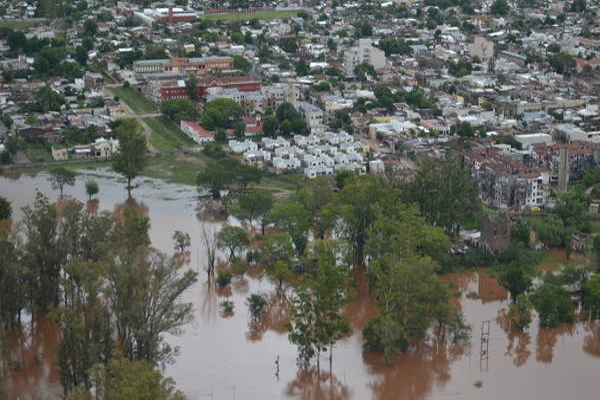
[[221, 113], [5, 208], [354, 209], [13, 283], [499, 8], [242, 64], [553, 305], [445, 193], [520, 312], [81, 55], [48, 100], [247, 174], [303, 326], [256, 204], [578, 6], [191, 87], [91, 188], [182, 241], [90, 28], [232, 238], [464, 129], [123, 379], [270, 126], [364, 72], [215, 178], [144, 288], [256, 304], [7, 121], [410, 297], [44, 254], [363, 29], [213, 150], [562, 63], [276, 256], [131, 158], [292, 218], [84, 323], [59, 177], [330, 283], [516, 279], [302, 68], [180, 110], [591, 295], [315, 196]]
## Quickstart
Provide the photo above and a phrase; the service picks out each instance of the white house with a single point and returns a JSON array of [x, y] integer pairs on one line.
[[242, 147], [196, 132], [314, 172]]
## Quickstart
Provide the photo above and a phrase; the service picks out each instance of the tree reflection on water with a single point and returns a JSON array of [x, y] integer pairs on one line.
[[416, 372], [312, 384]]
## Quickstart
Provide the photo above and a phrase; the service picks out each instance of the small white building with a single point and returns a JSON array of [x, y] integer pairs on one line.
[[242, 147], [196, 132], [314, 172]]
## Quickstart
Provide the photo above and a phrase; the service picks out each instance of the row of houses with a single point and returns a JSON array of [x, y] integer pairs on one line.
[[316, 154]]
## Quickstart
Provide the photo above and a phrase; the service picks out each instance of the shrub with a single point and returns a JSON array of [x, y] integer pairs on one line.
[[256, 303], [224, 278]]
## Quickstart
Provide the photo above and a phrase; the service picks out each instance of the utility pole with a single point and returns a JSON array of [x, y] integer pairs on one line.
[[484, 345]]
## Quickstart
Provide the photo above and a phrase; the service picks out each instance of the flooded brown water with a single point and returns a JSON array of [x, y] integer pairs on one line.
[[230, 358]]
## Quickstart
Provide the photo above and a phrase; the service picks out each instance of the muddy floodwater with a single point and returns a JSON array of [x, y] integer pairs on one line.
[[230, 358]]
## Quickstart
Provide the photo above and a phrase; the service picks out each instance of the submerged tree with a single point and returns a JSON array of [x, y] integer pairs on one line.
[[411, 297], [232, 238], [123, 379], [516, 279], [209, 237], [144, 296], [131, 158], [182, 241], [59, 177], [5, 208], [256, 204], [91, 188], [256, 304], [44, 254], [316, 323], [553, 305]]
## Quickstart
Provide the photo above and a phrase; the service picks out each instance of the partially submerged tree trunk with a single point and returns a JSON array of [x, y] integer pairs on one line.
[[209, 236]]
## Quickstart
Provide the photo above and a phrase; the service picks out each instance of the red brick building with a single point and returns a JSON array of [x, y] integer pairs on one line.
[[176, 89]]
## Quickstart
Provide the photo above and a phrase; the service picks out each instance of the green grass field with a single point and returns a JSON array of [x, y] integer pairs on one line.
[[166, 136], [249, 16], [173, 169], [18, 24], [38, 153], [138, 103]]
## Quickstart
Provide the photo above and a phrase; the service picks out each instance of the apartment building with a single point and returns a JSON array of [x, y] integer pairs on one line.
[[363, 53]]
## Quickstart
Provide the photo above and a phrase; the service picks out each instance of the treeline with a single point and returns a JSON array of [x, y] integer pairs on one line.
[[111, 294], [331, 229]]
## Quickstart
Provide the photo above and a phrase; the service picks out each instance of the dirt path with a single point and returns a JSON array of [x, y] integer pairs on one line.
[[130, 114]]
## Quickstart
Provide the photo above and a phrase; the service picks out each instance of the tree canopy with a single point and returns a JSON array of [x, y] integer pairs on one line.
[[131, 158], [445, 193]]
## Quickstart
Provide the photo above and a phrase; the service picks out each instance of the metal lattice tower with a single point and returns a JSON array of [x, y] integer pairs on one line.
[[485, 346]]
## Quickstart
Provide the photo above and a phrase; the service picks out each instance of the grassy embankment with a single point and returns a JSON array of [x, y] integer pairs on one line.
[[249, 16], [166, 136], [138, 103], [18, 24]]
